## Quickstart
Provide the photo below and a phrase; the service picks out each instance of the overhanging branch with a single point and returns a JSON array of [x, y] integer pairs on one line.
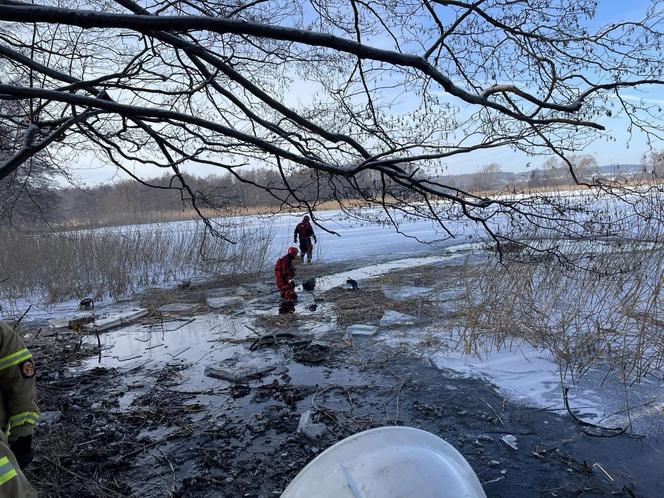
[[150, 24]]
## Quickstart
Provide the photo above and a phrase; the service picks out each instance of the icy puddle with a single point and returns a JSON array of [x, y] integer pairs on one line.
[[215, 337], [220, 341], [187, 340]]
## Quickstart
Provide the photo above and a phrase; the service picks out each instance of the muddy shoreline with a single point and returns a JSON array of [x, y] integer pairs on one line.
[[165, 428]]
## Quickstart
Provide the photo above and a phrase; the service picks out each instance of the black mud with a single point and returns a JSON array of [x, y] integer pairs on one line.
[[241, 440]]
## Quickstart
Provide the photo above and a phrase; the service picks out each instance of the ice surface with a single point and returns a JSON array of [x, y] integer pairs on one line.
[[523, 373], [510, 441], [530, 376], [361, 329], [178, 308], [117, 319], [393, 318], [222, 302], [375, 270], [163, 342], [309, 428], [403, 293], [320, 328]]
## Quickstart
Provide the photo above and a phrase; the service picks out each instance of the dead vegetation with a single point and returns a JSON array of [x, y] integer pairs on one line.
[[370, 304], [279, 321], [284, 321], [155, 297], [111, 263], [609, 311]]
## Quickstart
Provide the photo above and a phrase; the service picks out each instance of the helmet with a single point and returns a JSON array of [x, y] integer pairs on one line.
[[387, 462], [292, 251]]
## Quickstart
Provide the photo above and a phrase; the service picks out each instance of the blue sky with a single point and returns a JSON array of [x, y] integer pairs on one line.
[[624, 149]]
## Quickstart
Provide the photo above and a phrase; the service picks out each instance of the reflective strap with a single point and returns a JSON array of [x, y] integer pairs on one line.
[[7, 470], [15, 358], [22, 419]]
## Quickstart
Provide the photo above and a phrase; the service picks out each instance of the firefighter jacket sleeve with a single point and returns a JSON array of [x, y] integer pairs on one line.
[[17, 385]]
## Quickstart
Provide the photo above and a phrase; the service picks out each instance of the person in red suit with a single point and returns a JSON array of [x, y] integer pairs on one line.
[[305, 233], [284, 272]]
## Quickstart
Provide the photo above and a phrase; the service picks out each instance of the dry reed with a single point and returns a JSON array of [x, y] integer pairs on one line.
[[118, 262], [608, 311]]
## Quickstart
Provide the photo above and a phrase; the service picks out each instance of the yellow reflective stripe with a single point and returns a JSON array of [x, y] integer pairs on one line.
[[7, 470], [15, 358], [23, 418], [10, 474], [9, 357]]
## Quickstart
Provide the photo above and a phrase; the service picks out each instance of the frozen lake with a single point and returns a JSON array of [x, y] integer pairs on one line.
[[358, 240], [351, 239]]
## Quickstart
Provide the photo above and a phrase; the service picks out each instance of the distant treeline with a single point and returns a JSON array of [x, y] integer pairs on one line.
[[130, 201], [28, 200]]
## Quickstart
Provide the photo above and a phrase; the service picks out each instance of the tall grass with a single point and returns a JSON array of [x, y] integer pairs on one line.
[[603, 304], [118, 262]]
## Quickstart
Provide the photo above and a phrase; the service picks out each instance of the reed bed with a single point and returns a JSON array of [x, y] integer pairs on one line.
[[109, 263]]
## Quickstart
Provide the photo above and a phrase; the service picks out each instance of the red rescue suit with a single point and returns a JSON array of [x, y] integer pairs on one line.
[[305, 232], [284, 272]]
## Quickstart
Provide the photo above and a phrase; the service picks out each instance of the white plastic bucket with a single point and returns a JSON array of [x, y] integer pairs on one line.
[[388, 462]]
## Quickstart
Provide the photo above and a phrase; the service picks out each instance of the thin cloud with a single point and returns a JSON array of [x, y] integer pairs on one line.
[[638, 98]]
